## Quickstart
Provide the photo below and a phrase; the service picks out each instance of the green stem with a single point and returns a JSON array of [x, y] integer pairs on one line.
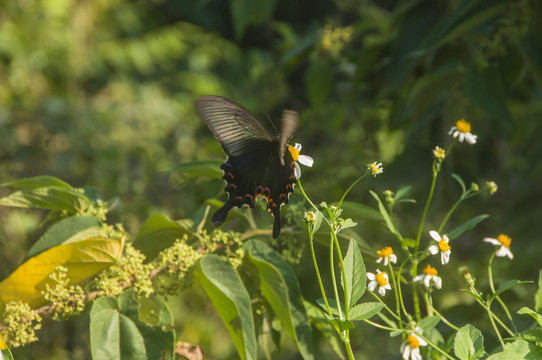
[[350, 188], [334, 280], [320, 283], [503, 305], [446, 321], [397, 292], [343, 272]]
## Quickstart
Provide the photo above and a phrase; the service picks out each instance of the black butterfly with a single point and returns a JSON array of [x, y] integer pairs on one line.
[[258, 163]]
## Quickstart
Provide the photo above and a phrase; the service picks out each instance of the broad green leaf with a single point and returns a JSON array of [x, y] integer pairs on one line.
[[364, 310], [317, 221], [83, 259], [279, 286], [231, 300], [6, 353], [322, 324], [157, 234], [359, 211], [332, 306], [67, 230], [517, 350], [385, 215], [194, 169], [535, 315], [247, 12], [429, 322], [468, 225], [510, 284], [538, 295], [355, 277], [347, 223], [533, 335], [117, 333], [50, 198], [38, 182], [469, 343], [341, 325]]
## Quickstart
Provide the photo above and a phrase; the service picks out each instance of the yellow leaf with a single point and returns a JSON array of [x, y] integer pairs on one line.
[[83, 259]]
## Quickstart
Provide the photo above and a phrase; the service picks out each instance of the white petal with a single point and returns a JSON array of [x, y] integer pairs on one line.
[[471, 138], [418, 277], [297, 170], [433, 249], [504, 251], [406, 352], [371, 276], [297, 146], [387, 286], [305, 160], [445, 257], [509, 253], [372, 285], [416, 355], [420, 340], [452, 130], [438, 281], [382, 291], [435, 235], [493, 241], [379, 260], [461, 136], [427, 280], [393, 258]]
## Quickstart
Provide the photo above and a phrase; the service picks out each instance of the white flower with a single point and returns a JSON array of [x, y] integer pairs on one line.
[[429, 274], [375, 168], [461, 131], [504, 242], [410, 349], [387, 255], [439, 153], [303, 159], [442, 245], [379, 279]]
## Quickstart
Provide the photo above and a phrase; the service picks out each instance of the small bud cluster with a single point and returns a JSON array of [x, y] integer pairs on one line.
[[66, 300], [22, 323]]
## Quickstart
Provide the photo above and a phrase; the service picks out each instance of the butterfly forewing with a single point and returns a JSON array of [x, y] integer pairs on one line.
[[237, 130], [288, 126]]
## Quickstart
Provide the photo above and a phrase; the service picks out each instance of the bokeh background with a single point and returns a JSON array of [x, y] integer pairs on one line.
[[100, 93]]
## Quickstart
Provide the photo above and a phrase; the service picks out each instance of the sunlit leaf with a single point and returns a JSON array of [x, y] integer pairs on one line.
[[50, 198], [469, 343], [38, 182], [354, 268], [83, 259], [365, 311], [466, 226], [194, 169]]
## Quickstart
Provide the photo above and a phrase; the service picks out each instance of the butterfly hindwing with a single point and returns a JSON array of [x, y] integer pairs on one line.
[[258, 163]]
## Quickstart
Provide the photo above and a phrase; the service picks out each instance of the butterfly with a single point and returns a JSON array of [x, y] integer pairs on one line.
[[258, 163]]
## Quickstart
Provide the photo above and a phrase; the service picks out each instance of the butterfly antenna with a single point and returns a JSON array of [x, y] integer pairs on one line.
[[272, 123]]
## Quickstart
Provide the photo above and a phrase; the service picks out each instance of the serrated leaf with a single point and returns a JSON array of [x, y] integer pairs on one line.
[[49, 198], [354, 269], [469, 343], [230, 298], [67, 230], [279, 286], [117, 333], [533, 335], [429, 322], [364, 311], [348, 223], [38, 182], [157, 234], [193, 169], [535, 315], [466, 226], [332, 306], [83, 259], [517, 350]]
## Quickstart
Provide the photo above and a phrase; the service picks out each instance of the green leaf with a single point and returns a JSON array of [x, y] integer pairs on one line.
[[38, 182], [518, 350], [468, 225], [359, 211], [279, 286], [469, 343], [347, 223], [50, 198], [157, 234], [317, 221], [354, 268], [510, 284], [230, 298], [332, 306], [535, 315], [429, 322], [247, 12], [460, 182], [117, 333], [385, 215], [364, 311], [194, 169], [65, 231], [322, 324], [533, 335], [538, 295]]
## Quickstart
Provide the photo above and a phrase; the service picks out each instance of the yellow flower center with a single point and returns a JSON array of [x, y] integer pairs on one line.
[[504, 240], [430, 270], [463, 126], [294, 152], [387, 251], [439, 153], [310, 216], [381, 279], [413, 342], [443, 245]]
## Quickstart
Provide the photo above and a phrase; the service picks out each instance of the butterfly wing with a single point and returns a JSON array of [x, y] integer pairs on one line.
[[288, 126], [235, 128]]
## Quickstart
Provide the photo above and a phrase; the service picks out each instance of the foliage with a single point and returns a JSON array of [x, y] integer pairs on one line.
[[100, 94]]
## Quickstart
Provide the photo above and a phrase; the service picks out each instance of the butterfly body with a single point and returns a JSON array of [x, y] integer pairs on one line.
[[258, 164]]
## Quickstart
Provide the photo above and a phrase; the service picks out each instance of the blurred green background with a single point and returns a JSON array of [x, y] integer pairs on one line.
[[101, 93]]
